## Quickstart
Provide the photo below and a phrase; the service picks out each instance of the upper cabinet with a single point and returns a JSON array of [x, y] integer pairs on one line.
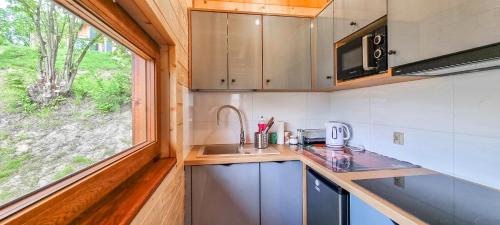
[[287, 53], [352, 15], [244, 51], [417, 31], [226, 51], [323, 48], [209, 50]]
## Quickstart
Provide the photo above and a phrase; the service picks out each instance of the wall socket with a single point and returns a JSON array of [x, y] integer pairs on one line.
[[398, 138]]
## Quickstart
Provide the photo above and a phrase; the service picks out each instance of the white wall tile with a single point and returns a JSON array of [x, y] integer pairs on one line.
[[283, 106], [188, 128], [318, 106], [478, 159], [424, 104], [350, 105], [429, 149], [360, 133], [225, 133], [207, 103], [477, 103]]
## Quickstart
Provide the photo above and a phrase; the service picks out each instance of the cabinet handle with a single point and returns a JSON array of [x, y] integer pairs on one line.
[[391, 52], [353, 23], [328, 77], [233, 80], [222, 80], [268, 81]]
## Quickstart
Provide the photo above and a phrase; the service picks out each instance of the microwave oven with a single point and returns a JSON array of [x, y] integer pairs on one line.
[[363, 56]]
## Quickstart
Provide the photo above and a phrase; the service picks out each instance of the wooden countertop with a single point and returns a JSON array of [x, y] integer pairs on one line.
[[345, 180]]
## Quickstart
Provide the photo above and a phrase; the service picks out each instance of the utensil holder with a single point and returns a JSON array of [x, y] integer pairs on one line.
[[261, 140]]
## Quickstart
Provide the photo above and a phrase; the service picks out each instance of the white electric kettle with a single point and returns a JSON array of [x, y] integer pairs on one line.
[[337, 134]]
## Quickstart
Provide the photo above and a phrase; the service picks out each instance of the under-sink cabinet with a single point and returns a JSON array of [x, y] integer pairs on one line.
[[267, 193]]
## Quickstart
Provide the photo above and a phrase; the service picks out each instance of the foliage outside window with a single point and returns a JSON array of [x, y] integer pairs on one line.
[[65, 96]]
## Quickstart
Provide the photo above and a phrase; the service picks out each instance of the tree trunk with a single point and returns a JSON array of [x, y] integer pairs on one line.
[[49, 32]]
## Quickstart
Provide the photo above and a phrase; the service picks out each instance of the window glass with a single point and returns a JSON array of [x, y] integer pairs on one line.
[[69, 96]]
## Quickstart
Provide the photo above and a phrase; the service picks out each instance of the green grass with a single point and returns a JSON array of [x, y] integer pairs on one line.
[[82, 160], [105, 78], [67, 170], [10, 163]]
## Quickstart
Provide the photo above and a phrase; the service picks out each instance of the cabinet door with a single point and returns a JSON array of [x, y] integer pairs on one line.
[[209, 50], [324, 48], [245, 51], [281, 193], [361, 214], [225, 194], [352, 15], [418, 32], [287, 52]]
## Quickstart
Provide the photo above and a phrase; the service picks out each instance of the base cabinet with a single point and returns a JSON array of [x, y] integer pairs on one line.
[[267, 193], [281, 193], [225, 194], [362, 214]]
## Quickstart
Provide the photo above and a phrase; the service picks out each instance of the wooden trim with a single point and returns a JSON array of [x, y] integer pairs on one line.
[[248, 12], [122, 204]]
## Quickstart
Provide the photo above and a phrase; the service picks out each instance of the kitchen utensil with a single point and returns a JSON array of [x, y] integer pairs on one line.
[[261, 140], [337, 134]]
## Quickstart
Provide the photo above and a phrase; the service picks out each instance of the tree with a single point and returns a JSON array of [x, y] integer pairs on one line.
[[52, 24]]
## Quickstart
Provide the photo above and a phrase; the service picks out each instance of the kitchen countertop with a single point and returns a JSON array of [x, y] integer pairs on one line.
[[345, 180]]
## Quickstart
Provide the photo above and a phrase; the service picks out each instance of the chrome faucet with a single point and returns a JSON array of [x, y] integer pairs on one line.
[[242, 131]]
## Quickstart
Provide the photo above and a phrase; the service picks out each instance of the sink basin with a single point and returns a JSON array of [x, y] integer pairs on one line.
[[235, 150]]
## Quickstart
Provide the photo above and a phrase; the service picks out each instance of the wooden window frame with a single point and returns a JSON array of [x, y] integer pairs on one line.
[[64, 200]]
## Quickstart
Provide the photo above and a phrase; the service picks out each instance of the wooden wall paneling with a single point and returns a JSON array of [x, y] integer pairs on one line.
[[166, 205]]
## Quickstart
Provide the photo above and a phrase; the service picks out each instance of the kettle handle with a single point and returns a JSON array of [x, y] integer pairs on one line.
[[347, 132]]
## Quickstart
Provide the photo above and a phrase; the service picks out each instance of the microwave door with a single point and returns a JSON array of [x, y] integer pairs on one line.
[[368, 60]]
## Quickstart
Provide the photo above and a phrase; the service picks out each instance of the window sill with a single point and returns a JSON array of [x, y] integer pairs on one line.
[[122, 204]]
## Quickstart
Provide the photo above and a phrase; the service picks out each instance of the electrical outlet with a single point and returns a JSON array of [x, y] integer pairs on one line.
[[398, 138]]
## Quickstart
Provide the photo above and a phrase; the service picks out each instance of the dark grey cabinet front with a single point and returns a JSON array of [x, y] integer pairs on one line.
[[225, 194], [281, 193]]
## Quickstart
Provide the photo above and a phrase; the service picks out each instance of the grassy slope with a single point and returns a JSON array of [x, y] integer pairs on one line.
[[103, 77]]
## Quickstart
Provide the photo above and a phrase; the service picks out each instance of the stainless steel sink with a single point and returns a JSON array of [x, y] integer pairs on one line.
[[235, 150]]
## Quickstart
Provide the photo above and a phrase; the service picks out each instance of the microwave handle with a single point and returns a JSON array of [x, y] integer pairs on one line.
[[366, 54]]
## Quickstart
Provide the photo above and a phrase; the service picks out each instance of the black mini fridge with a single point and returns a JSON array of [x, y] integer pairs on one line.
[[327, 203]]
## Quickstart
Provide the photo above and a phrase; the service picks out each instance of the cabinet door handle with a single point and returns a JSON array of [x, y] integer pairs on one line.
[[328, 77], [222, 80], [353, 23], [268, 81], [233, 80], [391, 52]]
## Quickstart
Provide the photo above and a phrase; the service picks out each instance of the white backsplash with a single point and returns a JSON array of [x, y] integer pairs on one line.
[[297, 109], [451, 124]]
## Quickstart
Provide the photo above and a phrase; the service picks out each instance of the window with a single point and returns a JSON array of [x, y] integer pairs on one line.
[[70, 96]]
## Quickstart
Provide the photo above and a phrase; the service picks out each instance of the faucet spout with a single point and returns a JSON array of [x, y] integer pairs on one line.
[[242, 131]]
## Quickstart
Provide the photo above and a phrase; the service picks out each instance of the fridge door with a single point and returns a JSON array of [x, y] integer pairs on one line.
[[326, 202]]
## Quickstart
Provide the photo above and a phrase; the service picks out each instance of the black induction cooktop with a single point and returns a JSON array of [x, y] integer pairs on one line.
[[439, 199]]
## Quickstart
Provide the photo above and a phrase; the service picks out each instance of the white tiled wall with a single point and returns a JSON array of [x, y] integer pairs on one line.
[[298, 110], [451, 124]]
